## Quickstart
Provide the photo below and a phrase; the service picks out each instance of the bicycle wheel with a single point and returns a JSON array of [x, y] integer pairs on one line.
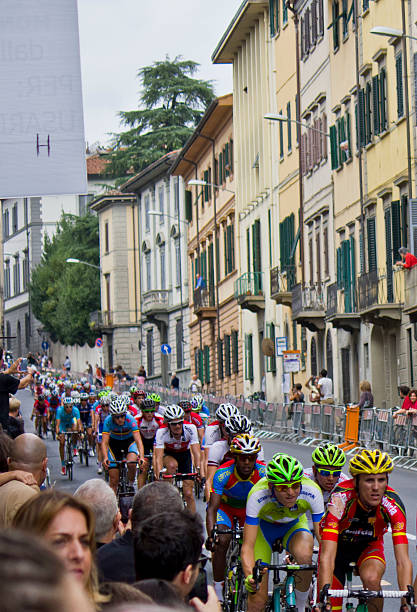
[[241, 599], [231, 578], [85, 445], [81, 452]]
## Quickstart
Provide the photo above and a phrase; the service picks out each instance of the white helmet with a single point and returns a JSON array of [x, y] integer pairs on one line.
[[68, 400], [225, 411], [118, 406], [238, 424], [173, 413]]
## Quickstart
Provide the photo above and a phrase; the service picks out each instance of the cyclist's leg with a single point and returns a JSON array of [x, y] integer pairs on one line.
[[371, 565], [185, 466], [267, 534], [218, 558], [143, 472], [90, 437], [61, 440], [45, 424], [131, 458], [113, 469], [299, 542]]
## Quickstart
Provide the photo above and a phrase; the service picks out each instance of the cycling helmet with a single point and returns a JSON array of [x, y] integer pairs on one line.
[[371, 462], [148, 405], [244, 444], [238, 424], [141, 394], [75, 395], [83, 396], [68, 401], [156, 398], [186, 405], [133, 389], [195, 405], [173, 414], [68, 384], [83, 380], [92, 394], [104, 400], [329, 455], [41, 397], [284, 469], [224, 411], [38, 390], [118, 406], [54, 392]]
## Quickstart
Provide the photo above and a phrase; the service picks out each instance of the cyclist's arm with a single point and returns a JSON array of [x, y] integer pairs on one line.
[[212, 508], [158, 454], [79, 425], [195, 453], [316, 528], [105, 438], [404, 566], [248, 548], [57, 424], [328, 550], [138, 439]]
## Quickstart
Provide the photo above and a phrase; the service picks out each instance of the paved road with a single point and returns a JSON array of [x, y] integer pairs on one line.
[[404, 481]]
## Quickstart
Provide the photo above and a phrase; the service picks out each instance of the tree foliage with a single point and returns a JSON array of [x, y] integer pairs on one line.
[[62, 294], [172, 102]]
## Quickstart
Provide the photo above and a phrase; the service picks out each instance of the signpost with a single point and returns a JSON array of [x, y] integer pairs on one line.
[[165, 349], [45, 345], [291, 361], [281, 345], [99, 342]]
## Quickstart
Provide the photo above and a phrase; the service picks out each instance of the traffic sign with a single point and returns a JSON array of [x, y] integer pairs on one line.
[[281, 345], [45, 345], [99, 342], [292, 361], [165, 349]]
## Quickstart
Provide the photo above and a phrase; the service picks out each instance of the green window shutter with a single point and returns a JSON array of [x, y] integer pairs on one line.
[[226, 159], [368, 107], [271, 361], [206, 187], [188, 205], [362, 118], [216, 171], [396, 227], [345, 17], [235, 351], [289, 126], [404, 221], [362, 253], [220, 365], [256, 247], [281, 137], [206, 364], [232, 248], [226, 262], [248, 249], [192, 273], [371, 235], [221, 174], [353, 272], [229, 247], [376, 104], [388, 254], [203, 264], [272, 17], [400, 86], [284, 12], [294, 335], [211, 284], [231, 155], [227, 355], [333, 147], [382, 100], [217, 259], [349, 138], [249, 357], [339, 268], [335, 24], [357, 127], [201, 365]]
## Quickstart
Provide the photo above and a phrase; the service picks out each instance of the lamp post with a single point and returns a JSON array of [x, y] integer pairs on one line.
[[79, 261]]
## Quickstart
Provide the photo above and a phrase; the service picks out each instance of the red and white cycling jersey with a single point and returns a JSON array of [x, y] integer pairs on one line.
[[133, 409], [213, 434], [195, 419], [148, 429], [219, 453], [164, 438]]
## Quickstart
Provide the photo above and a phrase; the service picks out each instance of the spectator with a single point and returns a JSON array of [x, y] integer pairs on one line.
[[141, 375], [325, 387], [170, 554], [161, 592], [406, 402], [175, 381], [5, 446], [408, 260], [296, 394], [28, 454], [366, 399], [67, 364], [195, 384], [16, 423], [68, 525], [34, 579], [312, 386], [115, 560], [5, 474], [102, 501], [120, 592], [99, 376], [10, 384]]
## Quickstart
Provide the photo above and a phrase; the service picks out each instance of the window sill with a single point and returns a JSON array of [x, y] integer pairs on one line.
[[383, 134], [349, 160], [369, 146], [400, 120], [281, 159], [285, 25], [365, 12]]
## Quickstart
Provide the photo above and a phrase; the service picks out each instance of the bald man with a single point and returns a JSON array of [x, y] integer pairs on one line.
[[28, 453]]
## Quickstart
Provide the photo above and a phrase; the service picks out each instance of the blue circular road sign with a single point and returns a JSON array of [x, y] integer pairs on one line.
[[45, 345], [99, 342], [165, 349]]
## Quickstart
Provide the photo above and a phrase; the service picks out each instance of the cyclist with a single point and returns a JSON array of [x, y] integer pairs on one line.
[[137, 399], [40, 412], [67, 419], [120, 435], [54, 404], [148, 424], [328, 460], [193, 417], [177, 449], [276, 510], [200, 406], [100, 414], [67, 389], [158, 408], [358, 515], [231, 485], [86, 414], [215, 430]]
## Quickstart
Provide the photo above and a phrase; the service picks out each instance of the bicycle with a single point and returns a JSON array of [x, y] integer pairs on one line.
[[52, 424], [83, 448], [234, 591], [363, 596], [178, 480], [69, 454], [125, 491], [283, 593], [150, 477]]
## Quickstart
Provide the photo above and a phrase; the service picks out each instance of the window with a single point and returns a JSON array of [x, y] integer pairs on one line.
[[6, 228], [235, 351], [16, 276], [199, 364], [365, 5], [335, 24], [284, 12], [220, 364], [106, 237], [188, 197], [249, 357], [256, 255], [176, 195], [25, 271], [326, 252], [346, 275], [281, 138], [340, 133], [274, 16], [149, 352], [227, 355], [320, 18], [147, 218], [287, 249], [14, 219], [148, 271], [7, 280], [178, 260], [108, 302], [179, 342], [207, 188], [371, 238], [289, 126], [162, 262], [161, 203], [26, 211], [314, 22], [206, 364], [400, 84], [271, 362], [229, 249], [345, 18]]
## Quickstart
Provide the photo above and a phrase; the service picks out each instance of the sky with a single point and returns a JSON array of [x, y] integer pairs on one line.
[[118, 37]]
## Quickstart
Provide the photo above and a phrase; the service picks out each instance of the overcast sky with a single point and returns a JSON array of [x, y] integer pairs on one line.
[[118, 37]]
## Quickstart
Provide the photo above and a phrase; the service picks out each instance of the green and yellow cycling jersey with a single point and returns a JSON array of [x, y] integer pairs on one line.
[[262, 504]]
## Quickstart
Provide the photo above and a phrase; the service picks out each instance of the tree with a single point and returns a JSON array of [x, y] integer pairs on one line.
[[62, 294], [173, 103]]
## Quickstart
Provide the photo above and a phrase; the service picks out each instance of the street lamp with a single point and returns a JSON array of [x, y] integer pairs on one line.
[[281, 117], [156, 213], [79, 261], [391, 32], [198, 183]]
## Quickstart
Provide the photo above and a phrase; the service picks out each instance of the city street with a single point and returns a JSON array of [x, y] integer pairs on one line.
[[402, 480]]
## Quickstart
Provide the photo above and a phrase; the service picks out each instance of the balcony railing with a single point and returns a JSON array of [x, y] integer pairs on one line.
[[341, 301], [155, 300], [308, 296], [380, 287], [282, 281], [105, 318], [204, 298], [331, 300], [249, 283]]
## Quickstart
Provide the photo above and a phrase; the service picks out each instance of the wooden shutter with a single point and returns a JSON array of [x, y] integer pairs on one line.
[[349, 137], [226, 159], [353, 272], [310, 252], [323, 136], [368, 106], [400, 91], [326, 251], [232, 247], [345, 17], [289, 126], [220, 365], [396, 228], [281, 137], [231, 155], [335, 24], [206, 364], [318, 252], [218, 259], [188, 205], [371, 235], [256, 247], [284, 11], [211, 285], [221, 173], [249, 357], [226, 262], [362, 118], [206, 187], [272, 17], [227, 355], [235, 351], [382, 100], [413, 224], [334, 147], [376, 104], [339, 268], [203, 264], [308, 31], [388, 254], [404, 221], [314, 22], [321, 18]]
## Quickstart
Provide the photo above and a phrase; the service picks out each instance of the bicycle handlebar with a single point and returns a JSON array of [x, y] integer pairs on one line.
[[285, 567], [365, 594], [179, 476]]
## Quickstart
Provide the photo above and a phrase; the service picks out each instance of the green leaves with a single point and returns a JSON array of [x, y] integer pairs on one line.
[[63, 295], [173, 103]]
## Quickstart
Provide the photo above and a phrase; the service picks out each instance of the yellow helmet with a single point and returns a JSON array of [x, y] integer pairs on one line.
[[371, 462]]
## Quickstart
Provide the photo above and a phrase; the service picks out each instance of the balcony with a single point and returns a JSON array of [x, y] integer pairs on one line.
[[155, 305], [248, 291], [282, 282], [410, 297], [205, 303], [308, 305], [101, 319], [341, 308], [380, 296]]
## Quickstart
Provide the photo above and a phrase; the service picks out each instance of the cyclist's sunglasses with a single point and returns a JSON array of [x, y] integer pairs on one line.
[[289, 485], [334, 473], [148, 409]]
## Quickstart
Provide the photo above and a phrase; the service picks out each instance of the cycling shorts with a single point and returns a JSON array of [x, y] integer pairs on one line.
[[225, 515], [268, 533], [64, 427], [185, 464], [147, 446], [100, 432], [41, 411], [353, 553], [85, 418], [116, 447]]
